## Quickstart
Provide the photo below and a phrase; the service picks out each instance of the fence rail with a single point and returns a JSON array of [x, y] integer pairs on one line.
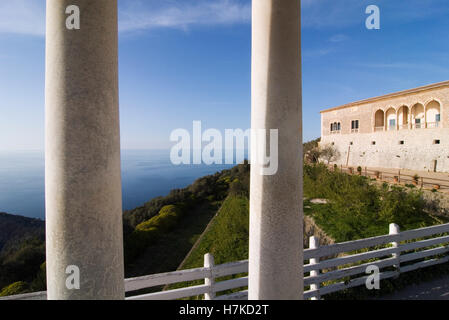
[[329, 268], [397, 177]]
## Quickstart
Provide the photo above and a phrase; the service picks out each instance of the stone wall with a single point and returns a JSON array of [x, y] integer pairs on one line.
[[384, 149]]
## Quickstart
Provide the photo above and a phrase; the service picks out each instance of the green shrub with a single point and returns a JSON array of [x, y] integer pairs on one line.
[[149, 231], [166, 219], [13, 289]]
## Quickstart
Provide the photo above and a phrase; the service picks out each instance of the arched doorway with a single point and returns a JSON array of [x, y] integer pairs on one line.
[[390, 117], [379, 120], [418, 116], [433, 116], [403, 118]]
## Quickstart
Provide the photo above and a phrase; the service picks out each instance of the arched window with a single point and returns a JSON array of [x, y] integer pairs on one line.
[[433, 116], [379, 120], [403, 115], [418, 116], [391, 119], [335, 127]]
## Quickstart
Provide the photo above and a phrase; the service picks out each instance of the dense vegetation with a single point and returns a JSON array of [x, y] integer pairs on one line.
[[22, 252], [358, 208], [15, 229]]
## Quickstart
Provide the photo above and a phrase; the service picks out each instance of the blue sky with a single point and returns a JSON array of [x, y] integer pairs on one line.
[[186, 60]]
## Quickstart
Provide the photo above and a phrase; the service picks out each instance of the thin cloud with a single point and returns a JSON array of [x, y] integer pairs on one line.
[[315, 53], [22, 17], [339, 38], [27, 17], [325, 14], [184, 14], [406, 65]]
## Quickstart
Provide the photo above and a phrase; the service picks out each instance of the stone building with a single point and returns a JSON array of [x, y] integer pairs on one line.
[[404, 130]]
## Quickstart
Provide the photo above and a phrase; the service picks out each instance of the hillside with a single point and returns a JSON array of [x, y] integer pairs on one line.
[[227, 237], [14, 229], [22, 252], [157, 235]]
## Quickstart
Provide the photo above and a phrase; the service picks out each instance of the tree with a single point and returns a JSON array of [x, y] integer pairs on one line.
[[329, 153], [313, 155], [312, 151]]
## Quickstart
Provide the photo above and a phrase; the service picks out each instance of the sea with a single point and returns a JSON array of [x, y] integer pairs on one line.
[[146, 174]]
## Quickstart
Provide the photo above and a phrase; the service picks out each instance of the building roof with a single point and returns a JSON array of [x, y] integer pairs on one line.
[[390, 95]]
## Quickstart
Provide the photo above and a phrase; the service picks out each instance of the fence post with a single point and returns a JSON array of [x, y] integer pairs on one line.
[[399, 176], [314, 243], [394, 229], [209, 263]]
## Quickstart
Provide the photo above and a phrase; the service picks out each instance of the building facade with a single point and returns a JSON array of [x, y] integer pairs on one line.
[[404, 130]]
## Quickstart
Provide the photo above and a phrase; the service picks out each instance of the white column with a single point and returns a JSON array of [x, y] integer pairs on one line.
[[276, 213], [83, 181]]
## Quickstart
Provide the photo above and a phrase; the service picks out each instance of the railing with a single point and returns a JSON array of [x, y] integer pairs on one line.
[[431, 125], [428, 125], [336, 132], [395, 253], [399, 178], [209, 273], [354, 130], [330, 268]]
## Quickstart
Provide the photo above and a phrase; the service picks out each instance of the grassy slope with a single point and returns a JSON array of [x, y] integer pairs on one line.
[[171, 248], [227, 238]]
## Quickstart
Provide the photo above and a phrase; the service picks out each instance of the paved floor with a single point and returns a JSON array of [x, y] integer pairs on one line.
[[437, 289]]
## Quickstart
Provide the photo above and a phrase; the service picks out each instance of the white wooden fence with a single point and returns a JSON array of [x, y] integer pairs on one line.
[[329, 269]]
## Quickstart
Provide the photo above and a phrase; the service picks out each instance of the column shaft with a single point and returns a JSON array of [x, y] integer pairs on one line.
[[83, 180], [276, 213]]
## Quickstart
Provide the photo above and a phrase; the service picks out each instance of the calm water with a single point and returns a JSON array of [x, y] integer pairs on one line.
[[145, 175]]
